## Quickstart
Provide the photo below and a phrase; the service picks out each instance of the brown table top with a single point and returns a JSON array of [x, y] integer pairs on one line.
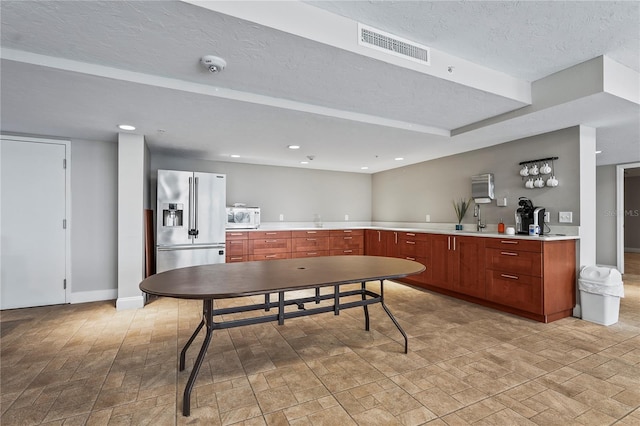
[[226, 280]]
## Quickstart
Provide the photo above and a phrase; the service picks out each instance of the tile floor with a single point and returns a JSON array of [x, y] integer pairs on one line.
[[88, 364]]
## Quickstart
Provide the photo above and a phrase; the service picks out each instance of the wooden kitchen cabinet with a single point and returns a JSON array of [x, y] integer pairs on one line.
[[268, 245], [375, 242], [237, 245], [310, 243], [346, 242], [457, 264], [534, 279]]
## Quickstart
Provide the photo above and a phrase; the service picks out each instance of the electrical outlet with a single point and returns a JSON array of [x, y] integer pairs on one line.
[[427, 218], [547, 217], [346, 217], [565, 217], [281, 217]]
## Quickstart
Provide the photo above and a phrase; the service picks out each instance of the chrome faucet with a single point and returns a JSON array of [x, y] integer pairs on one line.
[[476, 213]]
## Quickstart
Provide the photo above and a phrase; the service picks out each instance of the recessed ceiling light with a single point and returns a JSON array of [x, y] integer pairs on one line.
[[304, 162], [598, 152], [126, 127], [364, 168], [399, 158], [294, 147], [235, 156]]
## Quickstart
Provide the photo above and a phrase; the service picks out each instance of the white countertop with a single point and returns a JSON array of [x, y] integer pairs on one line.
[[434, 229]]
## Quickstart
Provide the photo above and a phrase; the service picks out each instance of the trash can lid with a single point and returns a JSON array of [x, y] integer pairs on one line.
[[603, 275]]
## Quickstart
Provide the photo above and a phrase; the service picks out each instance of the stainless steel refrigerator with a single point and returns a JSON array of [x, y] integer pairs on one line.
[[191, 216]]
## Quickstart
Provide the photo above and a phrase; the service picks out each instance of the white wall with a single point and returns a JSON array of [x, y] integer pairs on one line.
[[94, 212], [632, 213], [297, 193], [409, 193], [606, 215]]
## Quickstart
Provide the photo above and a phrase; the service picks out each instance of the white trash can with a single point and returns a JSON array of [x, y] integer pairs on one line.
[[600, 291]]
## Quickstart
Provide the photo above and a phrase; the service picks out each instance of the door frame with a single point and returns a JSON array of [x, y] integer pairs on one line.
[[620, 216], [67, 206]]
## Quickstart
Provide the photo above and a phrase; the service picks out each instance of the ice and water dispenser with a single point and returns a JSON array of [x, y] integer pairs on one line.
[[172, 214]]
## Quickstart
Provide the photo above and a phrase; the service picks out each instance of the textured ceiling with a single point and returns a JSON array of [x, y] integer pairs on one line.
[[92, 65]]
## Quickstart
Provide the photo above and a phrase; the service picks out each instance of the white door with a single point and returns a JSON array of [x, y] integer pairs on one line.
[[33, 250]]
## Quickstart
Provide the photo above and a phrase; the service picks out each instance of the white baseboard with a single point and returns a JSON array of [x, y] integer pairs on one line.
[[93, 296], [124, 303], [632, 250]]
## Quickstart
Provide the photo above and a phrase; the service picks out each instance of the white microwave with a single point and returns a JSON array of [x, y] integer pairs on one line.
[[243, 217]]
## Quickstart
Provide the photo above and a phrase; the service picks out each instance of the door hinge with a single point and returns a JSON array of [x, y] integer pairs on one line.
[[64, 283], [64, 223], [64, 163]]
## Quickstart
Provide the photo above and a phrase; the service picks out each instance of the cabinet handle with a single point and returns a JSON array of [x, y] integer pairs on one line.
[[448, 243], [270, 233], [236, 242], [410, 242], [271, 256], [311, 232], [347, 238], [508, 253], [454, 243], [347, 230], [311, 239], [410, 258], [378, 236], [409, 234], [312, 253], [348, 251], [236, 234], [270, 241], [235, 258], [396, 236], [512, 277], [508, 242]]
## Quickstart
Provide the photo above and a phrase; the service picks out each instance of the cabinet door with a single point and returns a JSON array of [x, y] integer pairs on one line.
[[375, 242], [471, 277], [392, 239], [443, 261]]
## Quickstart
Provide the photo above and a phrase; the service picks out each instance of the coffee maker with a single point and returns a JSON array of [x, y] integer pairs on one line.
[[527, 215]]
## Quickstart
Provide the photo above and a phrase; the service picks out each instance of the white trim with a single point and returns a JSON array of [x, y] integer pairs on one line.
[[124, 303], [620, 168], [67, 177], [631, 250], [93, 296]]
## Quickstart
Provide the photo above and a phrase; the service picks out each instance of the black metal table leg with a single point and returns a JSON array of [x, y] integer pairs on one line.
[[208, 320], [406, 339], [183, 353], [366, 308]]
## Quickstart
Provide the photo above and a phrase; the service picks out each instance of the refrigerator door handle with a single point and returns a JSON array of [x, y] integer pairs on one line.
[[191, 247], [195, 208], [193, 232]]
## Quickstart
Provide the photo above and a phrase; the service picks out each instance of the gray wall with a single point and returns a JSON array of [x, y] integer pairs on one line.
[[94, 215], [296, 193], [632, 213], [409, 193], [605, 215]]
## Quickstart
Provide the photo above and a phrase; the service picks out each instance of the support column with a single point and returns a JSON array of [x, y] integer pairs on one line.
[[131, 179]]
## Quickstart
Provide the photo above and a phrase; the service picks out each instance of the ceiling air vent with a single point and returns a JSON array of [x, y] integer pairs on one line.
[[385, 42]]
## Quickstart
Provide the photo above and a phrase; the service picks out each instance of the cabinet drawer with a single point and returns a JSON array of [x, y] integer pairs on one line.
[[343, 232], [413, 236], [269, 245], [513, 261], [236, 258], [423, 277], [311, 253], [514, 244], [270, 256], [237, 247], [347, 252], [310, 243], [347, 242], [515, 290], [237, 235], [412, 248], [262, 235], [310, 234]]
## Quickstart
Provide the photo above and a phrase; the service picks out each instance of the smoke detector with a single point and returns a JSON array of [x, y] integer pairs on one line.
[[213, 63]]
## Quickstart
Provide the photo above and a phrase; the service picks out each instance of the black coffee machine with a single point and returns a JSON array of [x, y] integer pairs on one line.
[[527, 215]]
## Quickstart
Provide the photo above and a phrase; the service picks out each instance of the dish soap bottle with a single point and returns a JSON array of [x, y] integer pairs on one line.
[[501, 227]]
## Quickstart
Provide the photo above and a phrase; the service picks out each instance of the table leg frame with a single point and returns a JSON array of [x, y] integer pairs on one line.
[[367, 298]]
